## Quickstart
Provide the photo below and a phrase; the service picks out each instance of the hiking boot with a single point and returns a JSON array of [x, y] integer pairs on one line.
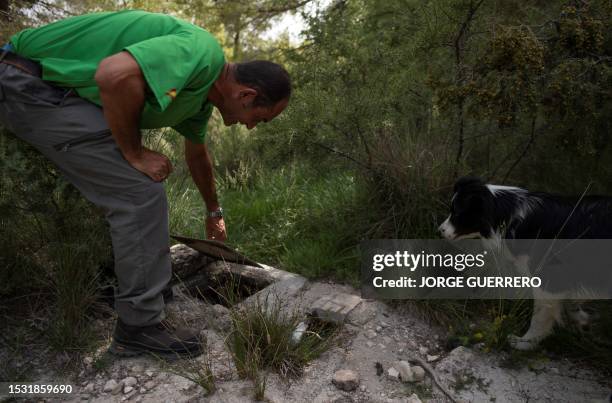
[[161, 339]]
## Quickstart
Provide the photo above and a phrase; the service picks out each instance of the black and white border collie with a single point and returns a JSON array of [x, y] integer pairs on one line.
[[493, 213]]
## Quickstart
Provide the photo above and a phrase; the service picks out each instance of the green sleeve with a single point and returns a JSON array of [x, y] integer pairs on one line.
[[167, 63], [194, 128]]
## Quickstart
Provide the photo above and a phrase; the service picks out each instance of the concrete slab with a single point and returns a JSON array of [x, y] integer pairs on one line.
[[335, 307], [285, 293], [261, 276]]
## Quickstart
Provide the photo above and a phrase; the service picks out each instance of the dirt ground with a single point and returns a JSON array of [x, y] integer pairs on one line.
[[374, 337]]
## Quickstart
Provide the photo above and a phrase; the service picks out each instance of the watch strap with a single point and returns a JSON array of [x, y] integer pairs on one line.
[[216, 213]]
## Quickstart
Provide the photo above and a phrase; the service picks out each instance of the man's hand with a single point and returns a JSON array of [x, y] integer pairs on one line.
[[200, 166], [215, 229], [151, 163]]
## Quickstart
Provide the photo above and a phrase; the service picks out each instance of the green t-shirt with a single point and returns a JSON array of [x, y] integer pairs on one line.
[[179, 60]]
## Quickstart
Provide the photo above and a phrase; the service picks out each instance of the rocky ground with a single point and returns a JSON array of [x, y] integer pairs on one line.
[[382, 355]]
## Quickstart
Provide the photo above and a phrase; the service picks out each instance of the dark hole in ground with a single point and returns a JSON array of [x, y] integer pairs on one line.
[[323, 329], [224, 288]]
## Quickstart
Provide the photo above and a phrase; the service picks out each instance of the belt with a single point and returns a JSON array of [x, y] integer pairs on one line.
[[29, 66]]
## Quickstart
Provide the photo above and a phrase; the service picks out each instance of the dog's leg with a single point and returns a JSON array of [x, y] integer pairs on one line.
[[580, 318], [546, 312]]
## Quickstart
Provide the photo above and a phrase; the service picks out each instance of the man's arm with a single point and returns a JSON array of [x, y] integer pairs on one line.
[[200, 165], [122, 91]]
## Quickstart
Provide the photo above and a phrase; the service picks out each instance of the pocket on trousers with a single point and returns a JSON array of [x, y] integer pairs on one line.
[[83, 139], [48, 94]]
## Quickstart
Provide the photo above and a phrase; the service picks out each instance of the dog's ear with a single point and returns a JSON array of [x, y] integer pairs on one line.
[[467, 181]]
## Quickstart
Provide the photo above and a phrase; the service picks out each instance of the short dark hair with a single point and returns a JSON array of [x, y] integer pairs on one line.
[[271, 81]]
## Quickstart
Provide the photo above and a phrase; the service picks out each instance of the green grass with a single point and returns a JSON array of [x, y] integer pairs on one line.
[[490, 322], [303, 221], [286, 218], [196, 369], [53, 243], [261, 340]]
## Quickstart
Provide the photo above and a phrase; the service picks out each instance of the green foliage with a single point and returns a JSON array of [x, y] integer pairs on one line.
[[361, 104], [489, 323], [392, 101], [289, 217], [408, 95], [261, 338], [53, 242], [198, 370]]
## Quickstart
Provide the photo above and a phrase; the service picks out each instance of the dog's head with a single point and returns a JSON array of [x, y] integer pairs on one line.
[[470, 211]]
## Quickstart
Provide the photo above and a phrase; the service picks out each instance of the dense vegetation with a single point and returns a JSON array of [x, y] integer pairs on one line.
[[393, 101]]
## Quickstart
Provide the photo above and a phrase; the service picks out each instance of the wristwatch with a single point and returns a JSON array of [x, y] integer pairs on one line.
[[218, 213]]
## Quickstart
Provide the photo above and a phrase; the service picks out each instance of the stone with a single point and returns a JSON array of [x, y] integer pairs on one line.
[[462, 353], [183, 384], [413, 398], [393, 373], [362, 314], [220, 310], [378, 329], [345, 379], [457, 360], [90, 388], [258, 277], [277, 294], [298, 333], [110, 385], [88, 360], [149, 373], [127, 389], [187, 261], [117, 389], [137, 368], [335, 307], [130, 381], [370, 334], [432, 358], [149, 385], [418, 373], [405, 372], [423, 350], [128, 396]]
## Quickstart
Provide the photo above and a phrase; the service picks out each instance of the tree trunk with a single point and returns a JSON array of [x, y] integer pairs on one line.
[[4, 10]]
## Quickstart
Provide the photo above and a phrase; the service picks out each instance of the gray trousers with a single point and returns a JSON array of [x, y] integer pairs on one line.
[[72, 133]]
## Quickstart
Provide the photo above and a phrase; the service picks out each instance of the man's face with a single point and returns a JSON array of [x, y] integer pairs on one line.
[[240, 109]]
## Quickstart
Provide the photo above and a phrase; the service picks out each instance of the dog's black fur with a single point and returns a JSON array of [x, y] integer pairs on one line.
[[527, 215], [491, 212]]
